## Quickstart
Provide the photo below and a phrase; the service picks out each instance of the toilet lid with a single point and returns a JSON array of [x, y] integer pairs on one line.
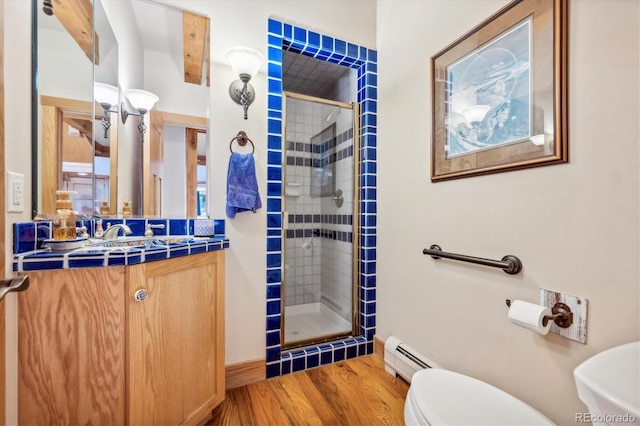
[[449, 398]]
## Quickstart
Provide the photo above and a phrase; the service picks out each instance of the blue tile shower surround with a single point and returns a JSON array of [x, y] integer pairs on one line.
[[282, 36], [29, 255], [309, 219], [293, 160], [330, 234], [322, 148]]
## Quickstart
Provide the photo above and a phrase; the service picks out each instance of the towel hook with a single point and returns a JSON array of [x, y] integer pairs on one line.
[[242, 139]]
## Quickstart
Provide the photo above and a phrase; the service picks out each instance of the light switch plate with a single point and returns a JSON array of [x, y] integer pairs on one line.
[[578, 329], [15, 192]]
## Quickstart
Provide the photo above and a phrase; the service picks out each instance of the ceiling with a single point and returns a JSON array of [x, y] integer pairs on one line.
[[310, 76]]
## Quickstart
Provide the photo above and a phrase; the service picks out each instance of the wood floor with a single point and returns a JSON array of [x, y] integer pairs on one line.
[[353, 392]]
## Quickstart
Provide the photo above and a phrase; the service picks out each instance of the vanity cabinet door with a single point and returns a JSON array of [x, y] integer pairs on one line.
[[71, 337], [175, 339]]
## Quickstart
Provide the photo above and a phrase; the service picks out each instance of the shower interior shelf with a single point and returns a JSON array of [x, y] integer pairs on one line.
[[292, 189]]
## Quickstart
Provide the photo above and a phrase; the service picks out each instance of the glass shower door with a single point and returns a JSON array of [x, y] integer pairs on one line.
[[319, 238]]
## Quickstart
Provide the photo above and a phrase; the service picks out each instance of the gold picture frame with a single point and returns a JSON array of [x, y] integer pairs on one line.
[[499, 93]]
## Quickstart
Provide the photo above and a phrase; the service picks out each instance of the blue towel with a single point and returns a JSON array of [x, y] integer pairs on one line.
[[242, 185]]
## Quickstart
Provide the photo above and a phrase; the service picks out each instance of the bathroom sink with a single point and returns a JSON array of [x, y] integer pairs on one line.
[[609, 384], [173, 239], [144, 241], [122, 242]]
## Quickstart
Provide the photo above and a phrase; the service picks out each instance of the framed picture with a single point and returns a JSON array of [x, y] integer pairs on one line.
[[499, 93]]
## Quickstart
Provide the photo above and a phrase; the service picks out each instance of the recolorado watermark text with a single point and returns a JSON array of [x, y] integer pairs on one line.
[[605, 418]]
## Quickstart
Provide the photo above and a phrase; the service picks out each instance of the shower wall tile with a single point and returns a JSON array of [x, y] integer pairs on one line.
[[363, 64], [306, 226]]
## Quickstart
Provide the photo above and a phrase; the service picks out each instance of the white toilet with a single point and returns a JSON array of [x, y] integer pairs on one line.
[[443, 397]]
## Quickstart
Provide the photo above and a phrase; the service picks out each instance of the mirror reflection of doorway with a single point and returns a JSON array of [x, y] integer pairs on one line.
[[184, 186], [77, 161], [73, 156], [175, 166], [320, 290], [86, 161]]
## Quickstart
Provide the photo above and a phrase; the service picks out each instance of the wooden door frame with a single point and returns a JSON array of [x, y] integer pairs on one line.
[[153, 157], [52, 110]]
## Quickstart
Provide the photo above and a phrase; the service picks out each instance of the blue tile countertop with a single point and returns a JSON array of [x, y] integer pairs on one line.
[[32, 254]]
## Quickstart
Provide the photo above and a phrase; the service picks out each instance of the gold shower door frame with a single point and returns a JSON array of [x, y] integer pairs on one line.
[[355, 270]]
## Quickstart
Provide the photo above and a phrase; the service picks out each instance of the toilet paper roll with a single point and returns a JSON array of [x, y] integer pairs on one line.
[[529, 315]]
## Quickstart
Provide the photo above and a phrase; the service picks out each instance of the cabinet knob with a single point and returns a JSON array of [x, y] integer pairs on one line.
[[140, 295]]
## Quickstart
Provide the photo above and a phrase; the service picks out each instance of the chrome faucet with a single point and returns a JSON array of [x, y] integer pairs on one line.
[[112, 231]]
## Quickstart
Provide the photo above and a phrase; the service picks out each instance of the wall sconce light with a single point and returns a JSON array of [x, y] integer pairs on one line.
[[107, 96], [245, 63], [141, 100]]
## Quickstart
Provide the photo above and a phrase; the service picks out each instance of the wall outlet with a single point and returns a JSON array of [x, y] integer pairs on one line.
[[578, 329], [15, 192]]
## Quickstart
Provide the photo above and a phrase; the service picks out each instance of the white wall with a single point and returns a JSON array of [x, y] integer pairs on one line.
[[164, 76], [16, 24], [67, 71], [174, 184], [574, 226]]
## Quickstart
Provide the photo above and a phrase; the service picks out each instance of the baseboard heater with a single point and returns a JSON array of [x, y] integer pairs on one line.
[[403, 360]]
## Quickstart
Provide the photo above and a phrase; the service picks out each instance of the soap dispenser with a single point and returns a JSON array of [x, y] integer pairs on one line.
[[126, 209], [104, 209], [64, 224]]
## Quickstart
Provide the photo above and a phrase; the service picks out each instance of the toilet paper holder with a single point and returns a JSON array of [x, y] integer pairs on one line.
[[560, 314]]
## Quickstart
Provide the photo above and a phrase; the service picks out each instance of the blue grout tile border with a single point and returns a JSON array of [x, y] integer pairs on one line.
[[282, 36]]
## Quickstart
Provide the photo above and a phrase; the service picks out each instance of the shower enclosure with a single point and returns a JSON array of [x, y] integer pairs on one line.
[[320, 238]]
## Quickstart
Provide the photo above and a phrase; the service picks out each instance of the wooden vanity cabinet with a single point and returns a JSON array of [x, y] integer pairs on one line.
[[93, 349], [175, 340]]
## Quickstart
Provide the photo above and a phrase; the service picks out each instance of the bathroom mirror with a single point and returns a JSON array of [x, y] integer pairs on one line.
[[140, 45], [172, 62], [64, 145]]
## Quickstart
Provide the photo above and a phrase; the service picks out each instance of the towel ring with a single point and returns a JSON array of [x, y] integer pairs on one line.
[[242, 141]]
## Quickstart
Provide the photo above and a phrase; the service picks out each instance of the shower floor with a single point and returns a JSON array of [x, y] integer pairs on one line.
[[311, 320]]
